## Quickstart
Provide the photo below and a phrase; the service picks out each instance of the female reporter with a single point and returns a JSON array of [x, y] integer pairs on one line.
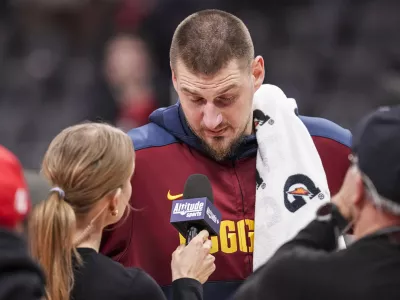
[[90, 167]]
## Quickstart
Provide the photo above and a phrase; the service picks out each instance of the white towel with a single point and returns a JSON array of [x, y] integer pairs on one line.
[[291, 181]]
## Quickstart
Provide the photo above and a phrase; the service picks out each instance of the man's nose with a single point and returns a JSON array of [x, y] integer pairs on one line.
[[212, 117]]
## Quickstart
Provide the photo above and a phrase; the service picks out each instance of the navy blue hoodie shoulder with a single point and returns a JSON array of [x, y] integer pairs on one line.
[[168, 126]]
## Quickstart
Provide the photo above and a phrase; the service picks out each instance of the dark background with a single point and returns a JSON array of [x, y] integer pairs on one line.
[[65, 61]]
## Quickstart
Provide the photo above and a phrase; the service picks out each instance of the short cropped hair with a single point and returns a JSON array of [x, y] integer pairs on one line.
[[206, 41]]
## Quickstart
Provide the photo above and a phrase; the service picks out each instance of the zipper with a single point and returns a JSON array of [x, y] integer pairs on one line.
[[248, 260]]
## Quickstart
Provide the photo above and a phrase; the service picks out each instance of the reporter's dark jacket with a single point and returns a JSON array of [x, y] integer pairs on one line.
[[100, 278], [308, 267]]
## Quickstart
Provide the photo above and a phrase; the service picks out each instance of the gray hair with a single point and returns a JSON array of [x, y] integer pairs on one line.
[[378, 200]]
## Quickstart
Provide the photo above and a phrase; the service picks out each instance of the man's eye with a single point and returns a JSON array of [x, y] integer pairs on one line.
[[197, 100], [226, 100]]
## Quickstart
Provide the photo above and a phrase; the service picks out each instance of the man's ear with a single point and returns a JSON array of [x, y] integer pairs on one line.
[[174, 81], [258, 72]]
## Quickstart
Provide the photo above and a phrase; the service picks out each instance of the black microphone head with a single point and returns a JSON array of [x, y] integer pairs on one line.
[[196, 209], [198, 186]]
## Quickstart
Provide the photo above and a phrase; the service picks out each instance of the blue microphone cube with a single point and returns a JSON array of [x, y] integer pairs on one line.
[[198, 212]]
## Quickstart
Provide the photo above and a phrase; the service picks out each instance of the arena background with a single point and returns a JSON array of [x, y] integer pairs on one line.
[[66, 61]]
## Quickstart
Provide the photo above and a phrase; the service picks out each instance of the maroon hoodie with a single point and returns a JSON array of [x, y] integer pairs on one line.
[[167, 153]]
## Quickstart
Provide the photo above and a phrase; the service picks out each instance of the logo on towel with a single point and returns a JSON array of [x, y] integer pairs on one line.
[[259, 181], [260, 119], [299, 188]]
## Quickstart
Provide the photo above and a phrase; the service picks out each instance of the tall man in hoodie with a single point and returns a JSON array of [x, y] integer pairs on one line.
[[211, 130]]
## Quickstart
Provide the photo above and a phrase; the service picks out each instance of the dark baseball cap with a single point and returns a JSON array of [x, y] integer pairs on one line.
[[376, 143]]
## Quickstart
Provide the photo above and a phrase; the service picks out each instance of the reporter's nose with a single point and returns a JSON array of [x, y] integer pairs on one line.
[[212, 117]]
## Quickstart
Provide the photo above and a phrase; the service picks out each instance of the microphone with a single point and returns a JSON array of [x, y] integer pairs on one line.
[[196, 211]]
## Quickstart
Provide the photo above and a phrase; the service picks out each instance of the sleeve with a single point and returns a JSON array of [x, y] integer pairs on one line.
[[187, 289], [316, 236], [25, 283], [145, 287], [20, 277], [283, 276]]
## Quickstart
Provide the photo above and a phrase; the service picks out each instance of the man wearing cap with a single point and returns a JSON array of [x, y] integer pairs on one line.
[[20, 277], [310, 267]]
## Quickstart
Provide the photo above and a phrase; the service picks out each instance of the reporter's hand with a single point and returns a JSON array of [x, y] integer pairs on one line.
[[194, 260]]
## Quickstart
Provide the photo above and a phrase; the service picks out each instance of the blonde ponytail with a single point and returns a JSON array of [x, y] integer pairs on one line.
[[83, 163], [52, 227]]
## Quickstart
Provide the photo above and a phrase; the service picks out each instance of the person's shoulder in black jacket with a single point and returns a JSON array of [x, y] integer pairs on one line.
[[99, 277], [20, 277]]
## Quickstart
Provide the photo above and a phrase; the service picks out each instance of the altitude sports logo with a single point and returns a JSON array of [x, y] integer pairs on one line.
[[212, 216], [189, 209]]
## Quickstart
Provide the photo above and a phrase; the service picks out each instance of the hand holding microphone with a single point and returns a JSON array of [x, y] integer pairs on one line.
[[196, 218], [194, 260]]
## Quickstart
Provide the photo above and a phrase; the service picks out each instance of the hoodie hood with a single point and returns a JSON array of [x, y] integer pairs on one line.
[[173, 120]]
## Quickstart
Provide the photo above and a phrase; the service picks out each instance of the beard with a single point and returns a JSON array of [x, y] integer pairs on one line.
[[219, 150]]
